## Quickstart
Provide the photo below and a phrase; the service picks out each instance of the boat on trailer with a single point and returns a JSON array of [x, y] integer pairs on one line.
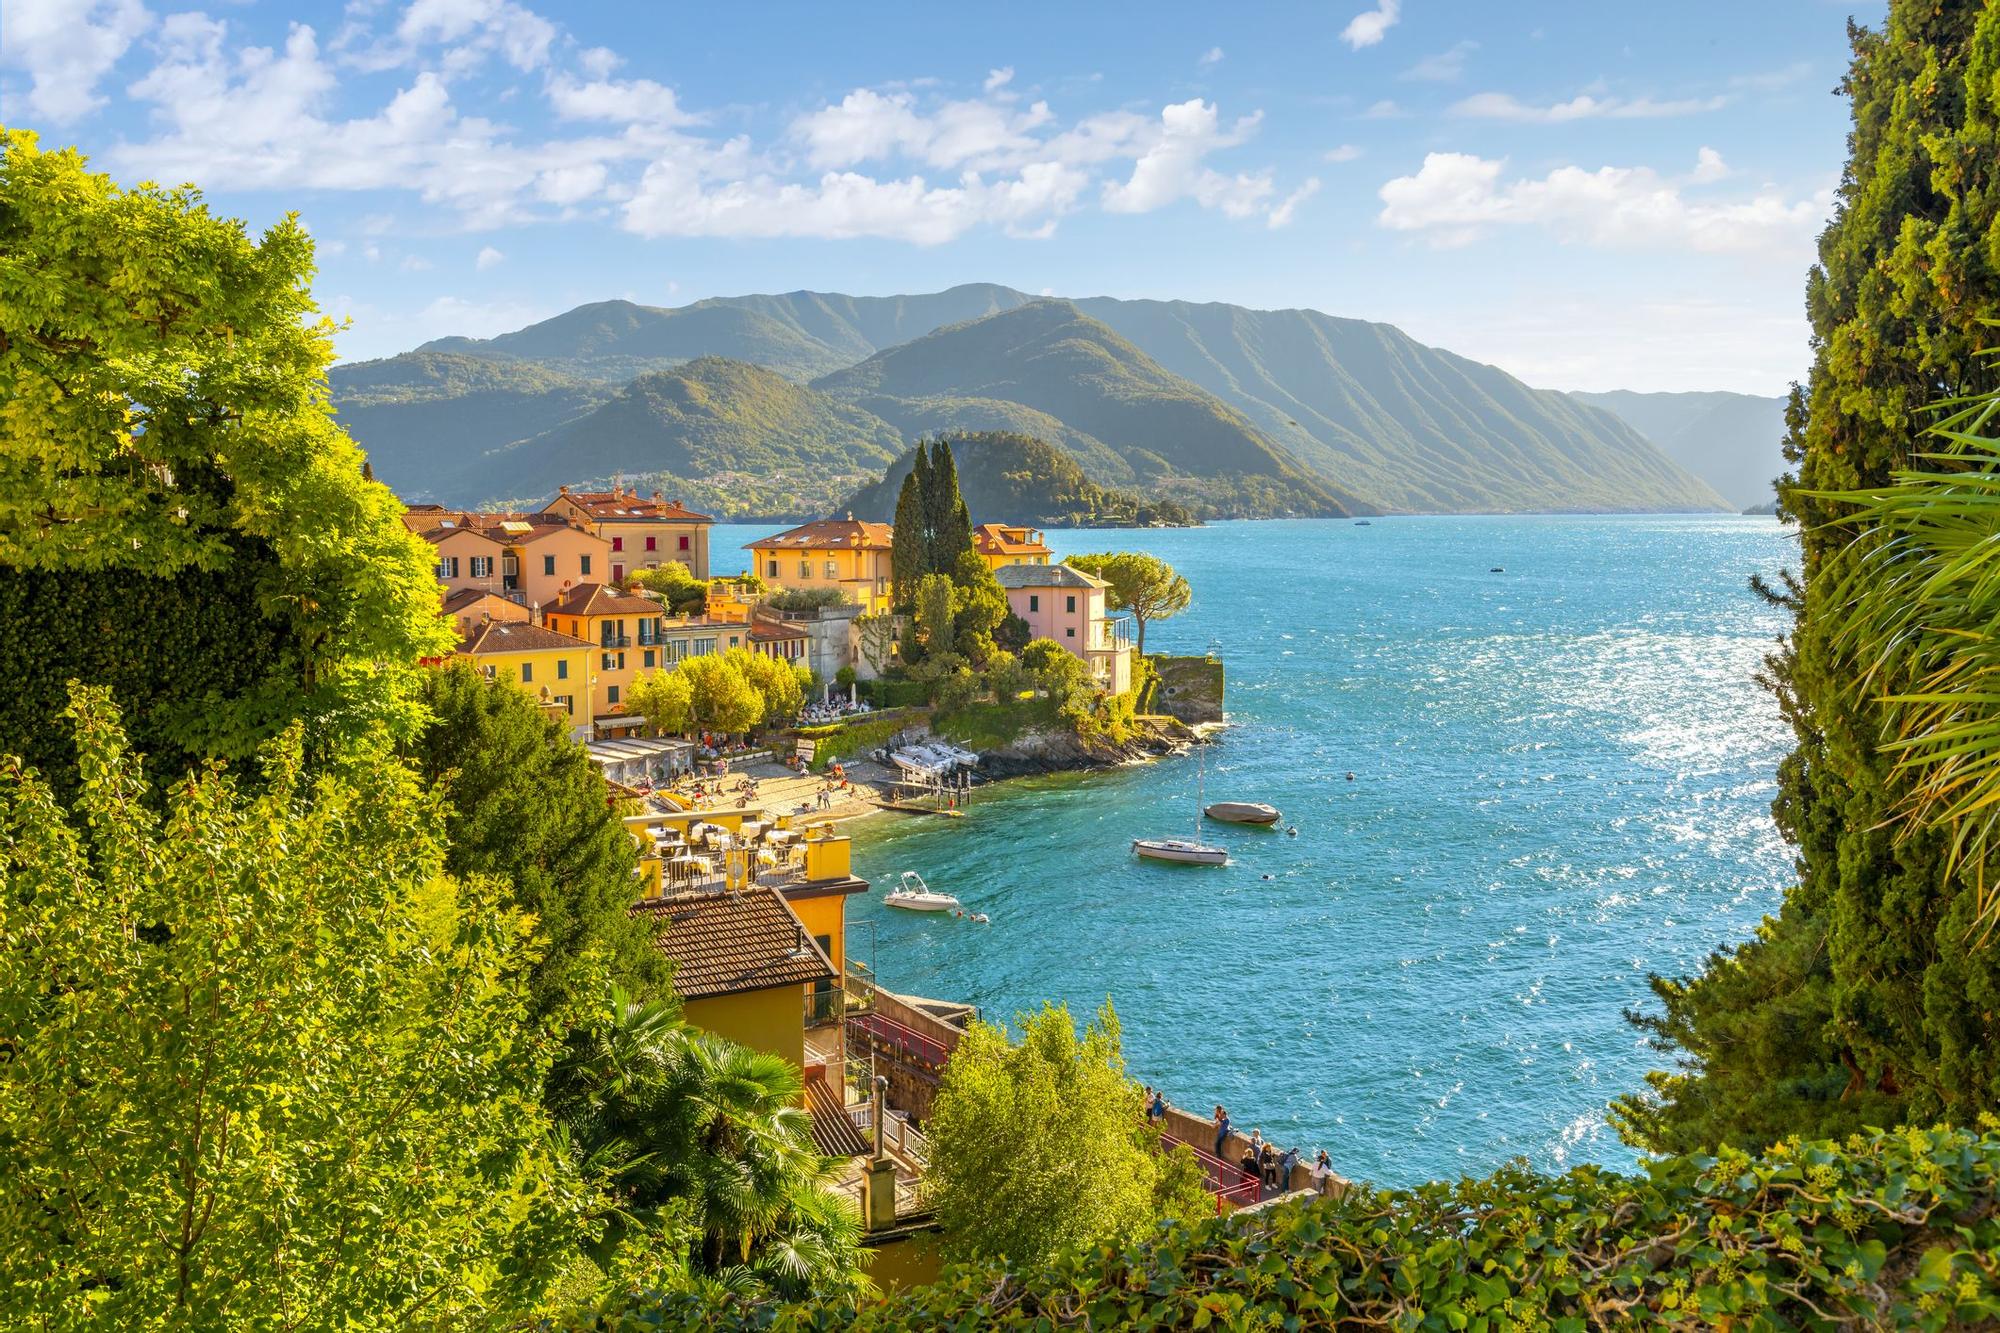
[[1181, 851], [913, 895], [1243, 812]]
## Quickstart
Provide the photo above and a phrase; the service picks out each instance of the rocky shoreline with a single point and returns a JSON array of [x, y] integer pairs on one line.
[[1044, 752]]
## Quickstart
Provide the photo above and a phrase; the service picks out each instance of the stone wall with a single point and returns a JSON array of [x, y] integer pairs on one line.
[[1190, 689]]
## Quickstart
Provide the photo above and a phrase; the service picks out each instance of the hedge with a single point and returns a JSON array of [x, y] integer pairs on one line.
[[1893, 1230]]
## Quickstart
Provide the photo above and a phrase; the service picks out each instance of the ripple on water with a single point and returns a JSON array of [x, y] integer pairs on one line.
[[1562, 784]]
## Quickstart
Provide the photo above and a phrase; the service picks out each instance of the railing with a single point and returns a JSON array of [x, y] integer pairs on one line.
[[859, 983], [614, 641], [1226, 1181], [897, 1132], [883, 1031], [823, 1007]]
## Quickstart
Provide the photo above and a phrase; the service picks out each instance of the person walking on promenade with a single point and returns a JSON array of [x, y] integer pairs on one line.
[[1221, 1129]]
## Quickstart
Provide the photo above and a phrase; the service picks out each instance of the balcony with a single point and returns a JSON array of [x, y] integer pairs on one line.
[[824, 1007], [620, 640]]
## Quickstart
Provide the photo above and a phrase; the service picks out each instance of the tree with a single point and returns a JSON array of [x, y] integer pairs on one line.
[[265, 1066], [1041, 1147], [780, 684], [875, 638], [935, 613], [1145, 585], [1866, 1000], [807, 599], [721, 698], [685, 1124], [180, 518], [981, 609], [909, 539], [948, 526], [676, 584], [524, 805], [665, 698]]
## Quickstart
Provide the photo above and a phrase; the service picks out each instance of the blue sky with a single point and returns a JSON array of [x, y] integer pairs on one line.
[[1591, 195]]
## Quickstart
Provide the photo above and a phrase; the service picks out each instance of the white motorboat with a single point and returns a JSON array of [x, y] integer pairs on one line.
[[1184, 851], [1244, 812], [913, 895]]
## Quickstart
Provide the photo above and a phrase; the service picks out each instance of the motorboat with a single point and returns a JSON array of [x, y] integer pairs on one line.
[[913, 895], [1243, 812], [1182, 851]]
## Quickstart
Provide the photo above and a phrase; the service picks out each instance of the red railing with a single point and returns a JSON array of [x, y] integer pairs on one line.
[[897, 1037], [1226, 1181]]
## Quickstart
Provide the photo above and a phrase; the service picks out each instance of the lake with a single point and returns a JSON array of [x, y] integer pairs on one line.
[[1561, 778]]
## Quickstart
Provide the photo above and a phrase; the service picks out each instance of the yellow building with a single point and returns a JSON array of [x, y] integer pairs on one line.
[[624, 630], [1002, 544], [645, 532], [847, 554], [741, 960], [554, 668]]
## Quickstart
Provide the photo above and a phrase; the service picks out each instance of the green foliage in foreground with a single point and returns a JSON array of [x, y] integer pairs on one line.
[[262, 1063], [1884, 1231], [1040, 1145]]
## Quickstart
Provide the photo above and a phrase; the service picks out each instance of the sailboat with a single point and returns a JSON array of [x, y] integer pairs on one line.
[[1185, 851]]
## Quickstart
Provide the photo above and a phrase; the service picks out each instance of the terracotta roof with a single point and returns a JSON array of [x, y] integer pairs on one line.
[[600, 599], [777, 631], [831, 534], [423, 519], [514, 636], [998, 539], [1045, 576], [631, 507], [833, 1133], [442, 533], [533, 530], [728, 943], [460, 598]]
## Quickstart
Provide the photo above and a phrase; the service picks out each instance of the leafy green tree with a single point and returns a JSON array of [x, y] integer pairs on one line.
[[676, 584], [935, 617], [665, 698], [980, 609], [780, 684], [947, 522], [682, 1124], [265, 1066], [180, 518], [909, 539], [1143, 584], [1866, 1000], [1041, 1147], [807, 599], [524, 805], [721, 698]]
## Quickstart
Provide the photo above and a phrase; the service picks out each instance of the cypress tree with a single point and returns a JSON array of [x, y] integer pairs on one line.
[[910, 543], [1868, 999], [950, 534]]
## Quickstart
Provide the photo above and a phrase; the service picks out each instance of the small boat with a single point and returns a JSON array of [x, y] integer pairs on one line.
[[1243, 812], [912, 894], [1183, 851], [1362, 523]]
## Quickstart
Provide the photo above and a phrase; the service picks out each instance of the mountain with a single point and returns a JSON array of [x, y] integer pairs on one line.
[[420, 413], [1732, 441], [725, 436], [1177, 440], [1010, 478]]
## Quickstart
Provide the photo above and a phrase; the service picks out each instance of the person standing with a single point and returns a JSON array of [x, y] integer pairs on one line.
[[1221, 1129]]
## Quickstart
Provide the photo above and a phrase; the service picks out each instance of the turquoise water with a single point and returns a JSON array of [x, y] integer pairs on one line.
[[1562, 776]]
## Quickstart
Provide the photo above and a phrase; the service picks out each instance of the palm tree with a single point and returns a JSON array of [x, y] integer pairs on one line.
[[1918, 592]]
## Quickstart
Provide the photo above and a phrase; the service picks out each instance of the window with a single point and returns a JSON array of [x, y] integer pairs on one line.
[[832, 570], [548, 564], [488, 669], [703, 647], [1071, 608], [649, 657], [652, 543], [482, 566], [770, 569], [1069, 632], [734, 641], [562, 668], [684, 543], [448, 567], [618, 573], [1034, 602], [805, 569], [568, 702], [617, 543], [527, 673], [607, 633], [611, 694], [586, 567]]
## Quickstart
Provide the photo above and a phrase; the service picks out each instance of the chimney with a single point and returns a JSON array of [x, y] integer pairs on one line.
[[656, 498], [564, 491]]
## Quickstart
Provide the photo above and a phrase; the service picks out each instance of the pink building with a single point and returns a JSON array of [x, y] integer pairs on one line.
[[1067, 605]]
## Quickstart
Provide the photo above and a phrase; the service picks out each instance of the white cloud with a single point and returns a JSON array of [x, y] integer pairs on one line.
[[1382, 110], [996, 79], [599, 61], [1281, 216], [870, 126], [66, 47], [475, 28], [1172, 167], [1584, 106], [637, 102], [1708, 167], [414, 264], [1455, 197], [1368, 27], [1446, 66], [1212, 56], [488, 258], [1775, 80], [1346, 152]]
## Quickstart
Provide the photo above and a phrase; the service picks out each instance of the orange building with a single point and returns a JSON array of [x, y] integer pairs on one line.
[[1001, 544], [552, 668], [847, 554], [623, 630], [530, 558], [643, 532]]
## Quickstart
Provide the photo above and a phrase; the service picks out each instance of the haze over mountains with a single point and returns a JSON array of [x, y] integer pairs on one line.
[[1733, 441], [1228, 410]]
